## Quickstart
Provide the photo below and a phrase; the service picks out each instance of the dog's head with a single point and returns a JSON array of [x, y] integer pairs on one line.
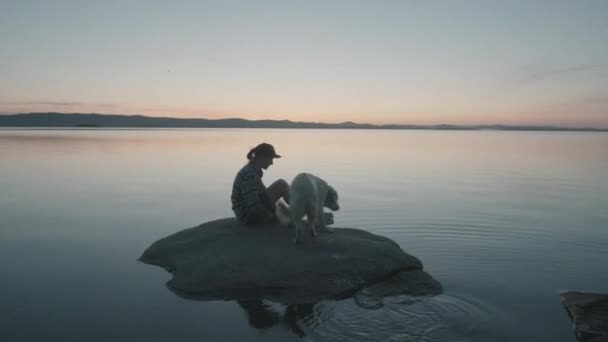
[[331, 201]]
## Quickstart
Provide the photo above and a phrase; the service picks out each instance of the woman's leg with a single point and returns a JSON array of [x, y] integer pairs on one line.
[[278, 189]]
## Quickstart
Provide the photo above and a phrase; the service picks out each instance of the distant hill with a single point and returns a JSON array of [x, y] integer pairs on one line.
[[140, 121]]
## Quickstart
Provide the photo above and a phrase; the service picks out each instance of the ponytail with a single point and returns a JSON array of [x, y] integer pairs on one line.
[[251, 154]]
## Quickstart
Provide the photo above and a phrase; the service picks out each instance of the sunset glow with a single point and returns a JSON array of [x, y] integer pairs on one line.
[[403, 62]]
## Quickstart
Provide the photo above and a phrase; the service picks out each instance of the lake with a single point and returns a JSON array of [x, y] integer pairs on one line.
[[504, 220]]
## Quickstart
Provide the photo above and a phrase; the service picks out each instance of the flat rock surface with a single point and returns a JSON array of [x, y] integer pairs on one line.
[[589, 314], [223, 259]]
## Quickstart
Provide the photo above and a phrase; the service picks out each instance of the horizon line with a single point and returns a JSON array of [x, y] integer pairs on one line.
[[378, 126]]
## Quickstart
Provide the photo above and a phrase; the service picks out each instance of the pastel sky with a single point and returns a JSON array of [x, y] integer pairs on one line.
[[418, 62]]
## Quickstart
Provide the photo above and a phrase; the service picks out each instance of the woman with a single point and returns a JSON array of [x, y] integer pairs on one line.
[[252, 202]]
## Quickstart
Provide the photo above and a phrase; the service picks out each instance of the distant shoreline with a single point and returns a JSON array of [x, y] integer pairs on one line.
[[110, 121]]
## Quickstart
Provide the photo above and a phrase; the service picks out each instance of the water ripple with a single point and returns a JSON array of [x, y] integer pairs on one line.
[[402, 318]]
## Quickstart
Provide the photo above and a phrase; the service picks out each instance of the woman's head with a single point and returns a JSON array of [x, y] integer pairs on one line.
[[262, 155]]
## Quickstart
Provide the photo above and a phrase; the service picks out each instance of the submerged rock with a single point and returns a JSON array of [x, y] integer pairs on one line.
[[589, 314], [223, 259]]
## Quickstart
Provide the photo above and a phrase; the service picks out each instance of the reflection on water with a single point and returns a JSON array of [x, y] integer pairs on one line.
[[405, 318], [505, 220], [382, 310], [262, 316]]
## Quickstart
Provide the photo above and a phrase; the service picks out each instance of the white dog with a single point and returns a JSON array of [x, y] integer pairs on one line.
[[308, 194]]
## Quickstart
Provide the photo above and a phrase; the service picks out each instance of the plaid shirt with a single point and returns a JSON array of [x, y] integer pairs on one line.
[[248, 194]]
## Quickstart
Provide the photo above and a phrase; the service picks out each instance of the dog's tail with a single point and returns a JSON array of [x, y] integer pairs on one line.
[[283, 213]]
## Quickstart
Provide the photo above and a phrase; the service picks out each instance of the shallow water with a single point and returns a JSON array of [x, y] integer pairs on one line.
[[504, 220]]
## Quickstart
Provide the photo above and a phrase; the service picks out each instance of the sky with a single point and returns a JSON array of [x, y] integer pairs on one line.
[[404, 62]]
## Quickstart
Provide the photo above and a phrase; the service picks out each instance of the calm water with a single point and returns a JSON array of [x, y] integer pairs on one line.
[[505, 220]]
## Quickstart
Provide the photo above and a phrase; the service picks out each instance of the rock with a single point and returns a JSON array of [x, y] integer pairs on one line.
[[223, 259], [589, 314]]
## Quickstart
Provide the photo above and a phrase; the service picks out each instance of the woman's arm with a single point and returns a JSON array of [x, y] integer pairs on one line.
[[254, 198]]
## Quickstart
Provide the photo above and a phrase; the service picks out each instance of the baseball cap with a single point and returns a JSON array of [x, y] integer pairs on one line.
[[266, 149]]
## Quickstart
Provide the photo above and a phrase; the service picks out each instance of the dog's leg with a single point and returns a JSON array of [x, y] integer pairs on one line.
[[321, 213], [321, 221], [298, 231], [312, 221], [297, 212]]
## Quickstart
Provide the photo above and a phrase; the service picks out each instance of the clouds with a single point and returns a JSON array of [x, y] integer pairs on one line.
[[58, 106], [66, 104], [547, 73], [110, 108]]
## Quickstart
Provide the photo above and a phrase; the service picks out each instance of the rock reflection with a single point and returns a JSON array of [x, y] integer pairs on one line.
[[265, 309], [262, 316]]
